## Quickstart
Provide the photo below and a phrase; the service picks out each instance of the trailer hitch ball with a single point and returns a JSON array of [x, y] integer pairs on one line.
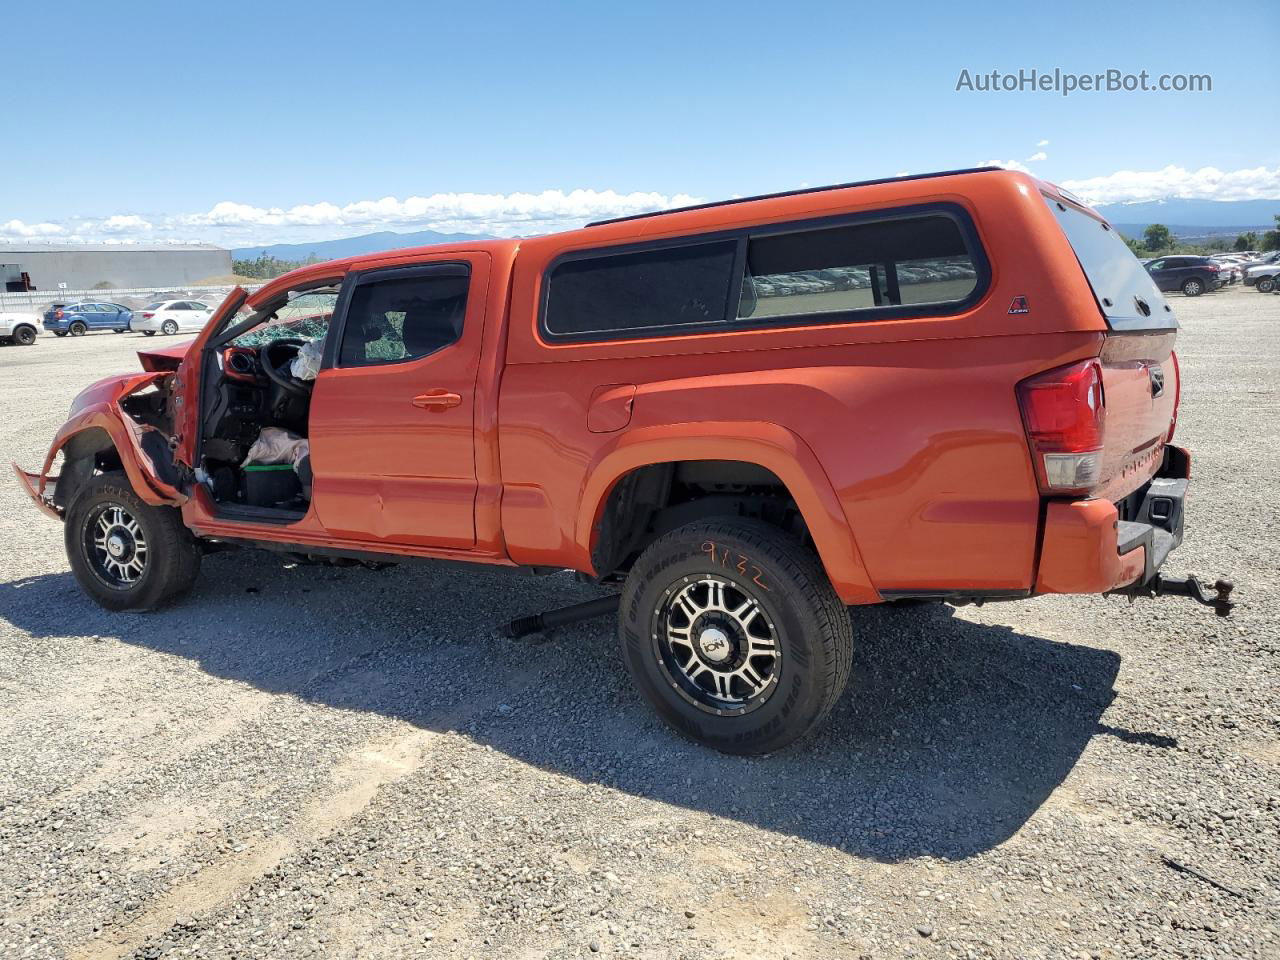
[[1218, 596]]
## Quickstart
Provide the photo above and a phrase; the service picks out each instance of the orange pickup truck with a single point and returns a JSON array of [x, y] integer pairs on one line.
[[749, 415]]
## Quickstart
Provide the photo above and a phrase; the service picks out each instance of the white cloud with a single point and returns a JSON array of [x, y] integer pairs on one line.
[[1007, 164], [1042, 143], [502, 214], [1207, 183], [128, 223], [18, 230], [1037, 157], [240, 224], [236, 224]]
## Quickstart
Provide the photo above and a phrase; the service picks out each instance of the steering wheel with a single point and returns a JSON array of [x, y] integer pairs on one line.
[[278, 371]]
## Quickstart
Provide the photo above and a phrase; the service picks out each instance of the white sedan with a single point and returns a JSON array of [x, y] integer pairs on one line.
[[171, 316]]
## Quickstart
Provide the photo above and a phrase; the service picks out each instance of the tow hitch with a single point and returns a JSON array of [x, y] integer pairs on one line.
[[1218, 596]]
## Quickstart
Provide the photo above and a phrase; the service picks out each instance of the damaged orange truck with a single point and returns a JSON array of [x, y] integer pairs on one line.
[[748, 416]]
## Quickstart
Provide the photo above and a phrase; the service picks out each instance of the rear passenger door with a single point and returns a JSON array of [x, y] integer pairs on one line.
[[392, 412], [1178, 269], [1161, 274], [193, 316]]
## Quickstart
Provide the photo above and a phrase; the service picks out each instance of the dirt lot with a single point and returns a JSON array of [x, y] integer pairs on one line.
[[302, 762]]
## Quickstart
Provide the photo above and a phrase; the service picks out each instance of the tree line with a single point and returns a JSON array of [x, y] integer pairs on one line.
[[1158, 238], [267, 267]]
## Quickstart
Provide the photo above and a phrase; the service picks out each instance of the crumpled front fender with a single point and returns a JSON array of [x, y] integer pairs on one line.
[[98, 408]]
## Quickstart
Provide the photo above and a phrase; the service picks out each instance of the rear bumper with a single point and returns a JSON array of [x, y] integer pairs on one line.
[[1094, 546]]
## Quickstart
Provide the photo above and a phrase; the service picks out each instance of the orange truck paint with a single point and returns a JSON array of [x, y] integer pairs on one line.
[[900, 440]]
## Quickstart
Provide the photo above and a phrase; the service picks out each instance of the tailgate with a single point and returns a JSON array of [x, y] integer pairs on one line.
[[1140, 393], [1139, 371]]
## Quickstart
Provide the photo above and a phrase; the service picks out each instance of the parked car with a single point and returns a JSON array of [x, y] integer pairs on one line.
[[606, 400], [1262, 273], [1192, 275], [77, 319], [1230, 269], [19, 328], [172, 316]]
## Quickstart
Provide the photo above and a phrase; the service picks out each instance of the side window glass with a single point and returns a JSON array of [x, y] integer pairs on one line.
[[402, 318], [911, 261], [633, 294]]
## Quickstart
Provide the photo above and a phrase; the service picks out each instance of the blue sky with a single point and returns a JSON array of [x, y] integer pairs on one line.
[[249, 123]]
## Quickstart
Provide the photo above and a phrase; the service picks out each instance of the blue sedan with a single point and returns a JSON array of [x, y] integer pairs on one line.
[[78, 319]]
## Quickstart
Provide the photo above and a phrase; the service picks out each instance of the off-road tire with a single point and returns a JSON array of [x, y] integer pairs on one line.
[[1266, 284], [1192, 287], [24, 335], [173, 559], [77, 329], [812, 626], [168, 328]]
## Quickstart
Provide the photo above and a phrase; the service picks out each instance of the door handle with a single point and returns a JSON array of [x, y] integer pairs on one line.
[[437, 399]]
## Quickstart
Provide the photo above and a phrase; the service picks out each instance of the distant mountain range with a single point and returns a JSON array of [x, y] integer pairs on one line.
[[1188, 219], [1193, 219], [354, 246]]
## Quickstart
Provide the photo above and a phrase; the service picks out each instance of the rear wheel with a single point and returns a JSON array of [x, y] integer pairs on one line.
[[126, 554], [148, 333], [1192, 287], [1266, 284], [25, 336], [169, 328], [733, 633], [77, 329], [59, 333]]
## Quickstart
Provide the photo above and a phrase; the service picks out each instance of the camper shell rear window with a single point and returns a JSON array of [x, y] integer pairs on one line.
[[1126, 294]]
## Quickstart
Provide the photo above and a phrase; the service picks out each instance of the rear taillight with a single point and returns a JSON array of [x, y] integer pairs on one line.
[[1063, 411], [1214, 267], [57, 314], [147, 316], [1177, 396]]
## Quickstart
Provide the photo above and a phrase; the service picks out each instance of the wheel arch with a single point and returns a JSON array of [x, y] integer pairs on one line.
[[649, 452], [96, 440]]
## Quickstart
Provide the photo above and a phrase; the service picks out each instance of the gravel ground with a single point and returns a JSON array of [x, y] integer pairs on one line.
[[311, 762]]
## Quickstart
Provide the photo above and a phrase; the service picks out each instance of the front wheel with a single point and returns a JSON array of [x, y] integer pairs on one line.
[[169, 328], [732, 631], [126, 554], [1192, 287], [1266, 284]]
